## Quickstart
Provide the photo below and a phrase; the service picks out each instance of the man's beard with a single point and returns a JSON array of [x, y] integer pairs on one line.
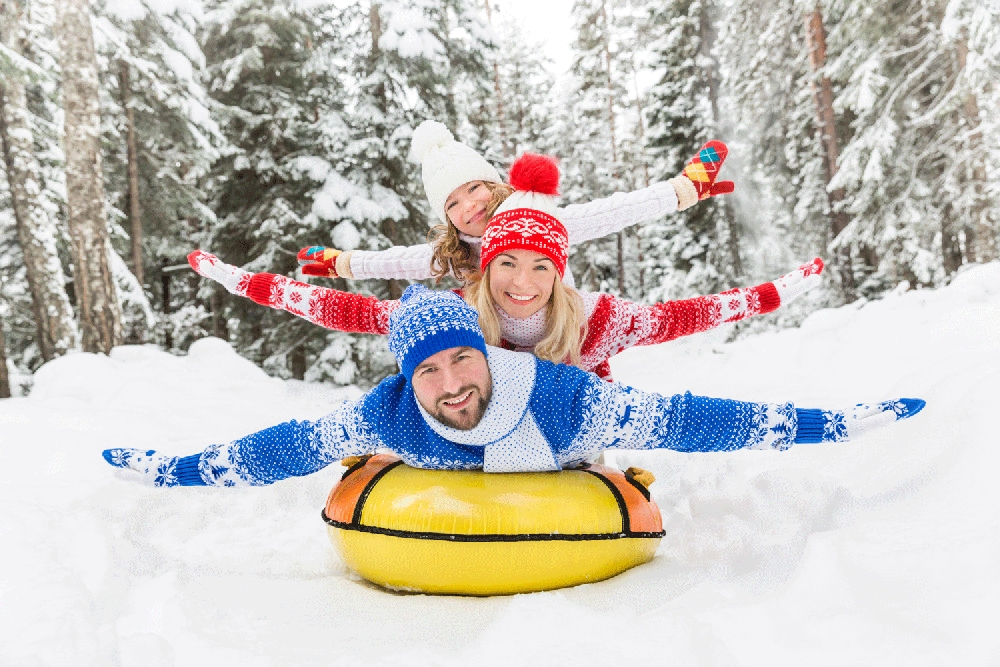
[[476, 410]]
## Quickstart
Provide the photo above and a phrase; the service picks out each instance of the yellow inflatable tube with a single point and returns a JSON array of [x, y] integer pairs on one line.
[[476, 533]]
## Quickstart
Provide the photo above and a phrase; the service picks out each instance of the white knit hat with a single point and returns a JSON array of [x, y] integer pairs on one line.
[[446, 163]]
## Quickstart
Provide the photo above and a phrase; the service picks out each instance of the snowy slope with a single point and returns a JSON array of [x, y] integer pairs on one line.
[[879, 552]]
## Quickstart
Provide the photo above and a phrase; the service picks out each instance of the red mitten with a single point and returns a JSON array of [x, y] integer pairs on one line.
[[319, 261], [704, 168]]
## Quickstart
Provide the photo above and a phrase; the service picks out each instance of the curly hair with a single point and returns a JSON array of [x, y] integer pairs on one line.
[[452, 255]]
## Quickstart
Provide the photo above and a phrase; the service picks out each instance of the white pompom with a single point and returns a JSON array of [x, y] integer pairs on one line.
[[428, 135]]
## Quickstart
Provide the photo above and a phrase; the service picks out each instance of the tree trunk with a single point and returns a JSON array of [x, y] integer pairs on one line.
[[4, 378], [100, 311], [708, 36], [168, 336], [614, 140], [498, 93], [389, 228], [36, 231], [297, 362], [823, 99], [133, 173], [982, 247], [220, 328]]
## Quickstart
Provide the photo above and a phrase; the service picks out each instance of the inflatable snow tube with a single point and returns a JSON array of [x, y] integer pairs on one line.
[[476, 533]]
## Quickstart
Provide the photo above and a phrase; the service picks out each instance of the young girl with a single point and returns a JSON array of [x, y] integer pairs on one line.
[[464, 190], [522, 301]]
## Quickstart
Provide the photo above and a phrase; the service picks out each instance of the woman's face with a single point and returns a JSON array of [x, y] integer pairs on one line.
[[466, 207], [521, 282]]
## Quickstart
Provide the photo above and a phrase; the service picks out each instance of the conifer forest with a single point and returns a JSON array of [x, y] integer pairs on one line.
[[133, 132]]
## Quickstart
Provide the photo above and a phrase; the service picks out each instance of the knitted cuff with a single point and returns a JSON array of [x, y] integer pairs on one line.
[[687, 194], [342, 265], [770, 300], [186, 471], [259, 289], [812, 425]]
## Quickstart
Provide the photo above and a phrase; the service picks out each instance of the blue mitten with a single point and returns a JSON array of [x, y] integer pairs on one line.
[[839, 425], [157, 469]]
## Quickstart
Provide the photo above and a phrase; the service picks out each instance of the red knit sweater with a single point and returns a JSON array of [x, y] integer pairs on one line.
[[613, 324]]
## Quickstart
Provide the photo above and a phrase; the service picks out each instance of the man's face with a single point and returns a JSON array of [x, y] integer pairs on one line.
[[454, 386]]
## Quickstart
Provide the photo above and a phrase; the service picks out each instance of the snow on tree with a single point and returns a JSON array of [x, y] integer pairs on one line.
[[914, 169], [591, 135], [159, 141], [695, 251], [514, 115], [782, 195], [100, 310], [33, 214]]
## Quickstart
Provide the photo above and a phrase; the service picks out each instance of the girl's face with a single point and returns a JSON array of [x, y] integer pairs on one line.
[[466, 207], [521, 282]]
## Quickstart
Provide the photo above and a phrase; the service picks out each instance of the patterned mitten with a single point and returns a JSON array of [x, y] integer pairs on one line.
[[157, 469], [233, 278], [319, 261], [841, 425], [697, 181], [796, 283]]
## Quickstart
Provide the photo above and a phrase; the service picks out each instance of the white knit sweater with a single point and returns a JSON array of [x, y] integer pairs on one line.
[[583, 223]]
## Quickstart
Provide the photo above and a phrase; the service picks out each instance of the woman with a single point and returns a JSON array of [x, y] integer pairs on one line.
[[522, 301], [463, 190]]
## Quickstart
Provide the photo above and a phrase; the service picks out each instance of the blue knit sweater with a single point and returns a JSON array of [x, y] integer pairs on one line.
[[542, 416]]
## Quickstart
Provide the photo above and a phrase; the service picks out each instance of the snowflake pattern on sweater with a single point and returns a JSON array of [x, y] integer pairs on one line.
[[613, 324], [542, 416]]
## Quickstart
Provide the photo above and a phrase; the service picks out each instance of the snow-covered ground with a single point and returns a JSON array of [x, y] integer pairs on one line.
[[884, 551]]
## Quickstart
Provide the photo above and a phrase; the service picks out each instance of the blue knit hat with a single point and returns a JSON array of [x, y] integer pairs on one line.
[[429, 321]]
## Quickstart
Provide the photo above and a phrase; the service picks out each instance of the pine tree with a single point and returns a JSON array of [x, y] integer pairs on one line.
[[915, 168], [34, 216], [100, 309], [159, 141], [765, 69], [514, 115], [590, 137], [697, 250]]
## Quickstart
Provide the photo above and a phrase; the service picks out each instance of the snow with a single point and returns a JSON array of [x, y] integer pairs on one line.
[[881, 551]]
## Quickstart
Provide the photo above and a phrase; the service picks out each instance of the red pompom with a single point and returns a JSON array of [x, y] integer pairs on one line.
[[535, 173]]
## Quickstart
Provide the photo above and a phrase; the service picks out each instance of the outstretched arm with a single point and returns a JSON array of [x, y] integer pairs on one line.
[[625, 418], [400, 262], [292, 449], [617, 324], [612, 214], [330, 308]]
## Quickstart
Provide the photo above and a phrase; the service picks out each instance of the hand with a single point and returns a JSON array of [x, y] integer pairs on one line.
[[319, 261], [796, 283], [841, 425], [233, 278], [704, 167], [153, 469]]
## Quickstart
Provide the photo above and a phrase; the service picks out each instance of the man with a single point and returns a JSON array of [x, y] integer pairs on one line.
[[458, 404]]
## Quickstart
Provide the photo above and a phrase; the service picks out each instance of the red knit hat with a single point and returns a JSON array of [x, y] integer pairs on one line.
[[526, 220]]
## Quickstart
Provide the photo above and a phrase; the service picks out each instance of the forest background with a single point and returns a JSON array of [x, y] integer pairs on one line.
[[862, 131]]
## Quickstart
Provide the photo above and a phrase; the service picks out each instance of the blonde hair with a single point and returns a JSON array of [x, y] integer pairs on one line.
[[452, 255], [565, 320]]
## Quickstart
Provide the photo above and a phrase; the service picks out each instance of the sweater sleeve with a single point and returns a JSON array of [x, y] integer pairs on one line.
[[617, 324], [330, 308], [401, 262], [292, 449], [620, 417], [601, 217]]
